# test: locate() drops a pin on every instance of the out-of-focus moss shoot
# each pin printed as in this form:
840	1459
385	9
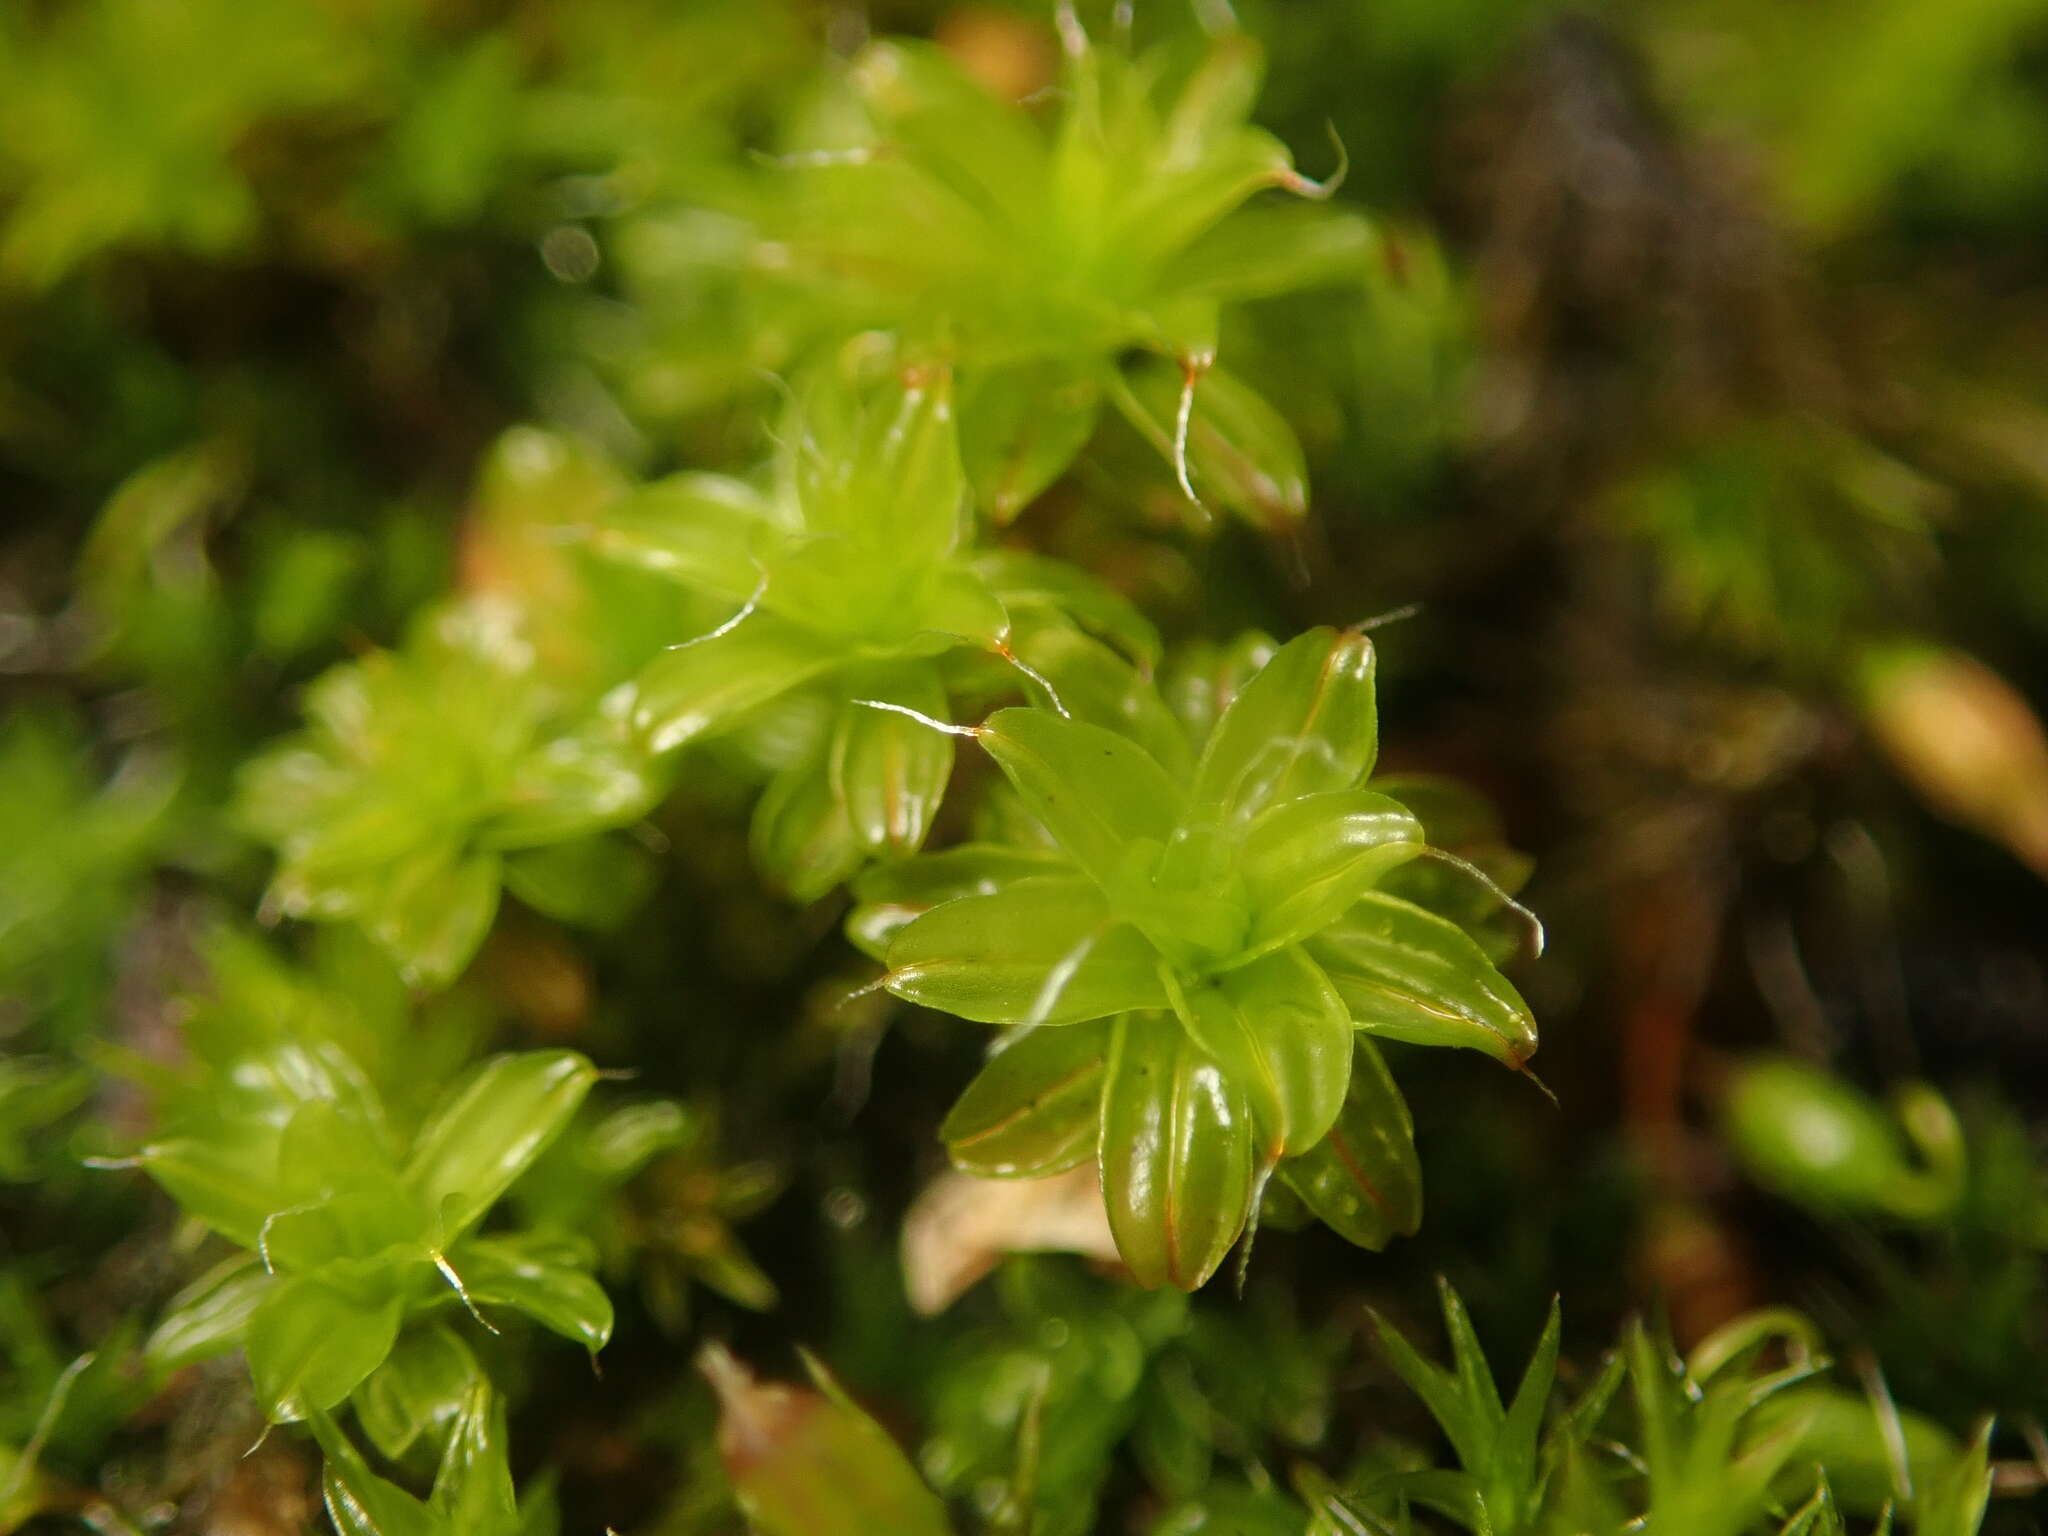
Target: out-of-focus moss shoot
1820	1142
1966	740
809	1463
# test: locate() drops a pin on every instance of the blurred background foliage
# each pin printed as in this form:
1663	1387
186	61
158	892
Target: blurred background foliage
1682	362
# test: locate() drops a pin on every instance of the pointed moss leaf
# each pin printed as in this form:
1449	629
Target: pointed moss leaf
417	1391
1410	975
1307	860
309	1345
1307	723
1175	1153
1281	1034
490	1129
1241	453
433	914
708	683
1033	1108
887	770
1042	951
209	1316
1096	792
1522	1429
704	531
1469	1412
887	896
1020	427
1363	1179
1038	586
547	1278
801	835
1953	1503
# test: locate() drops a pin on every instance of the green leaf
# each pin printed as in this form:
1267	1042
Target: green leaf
1463	1401
546	1277
326	1149
1846	1432
227	1178
417	1391
631	1136
490	1129
891	895
310	1345
1034	1108
1241	453
1306	724
1176	1153
579	782
1041	951
589	882
887	770
473	1485
1817	1140
1818	1516
1096	792
1410	975
433	913
209	1316
1307	860
707	683
1037	586
1280	1033
359	1502
801	835
881	466
1954	1504
812	1463
1206	678
1517	1469
701	530
927	108
357	1234
1363	1179
1095	684
1020	427
1261	252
